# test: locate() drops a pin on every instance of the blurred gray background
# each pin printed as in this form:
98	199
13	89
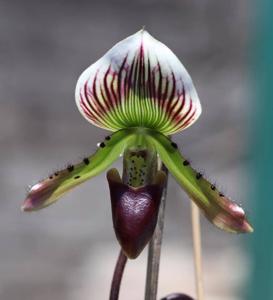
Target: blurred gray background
68	251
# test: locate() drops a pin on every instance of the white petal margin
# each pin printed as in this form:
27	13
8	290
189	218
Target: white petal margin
138	82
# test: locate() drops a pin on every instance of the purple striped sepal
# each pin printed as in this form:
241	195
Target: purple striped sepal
138	83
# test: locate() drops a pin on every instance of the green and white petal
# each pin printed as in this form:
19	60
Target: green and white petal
49	190
221	211
138	83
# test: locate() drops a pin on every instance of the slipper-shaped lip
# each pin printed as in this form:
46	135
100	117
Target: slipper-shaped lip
134	211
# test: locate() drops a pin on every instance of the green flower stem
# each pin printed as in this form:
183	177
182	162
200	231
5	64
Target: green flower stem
155	247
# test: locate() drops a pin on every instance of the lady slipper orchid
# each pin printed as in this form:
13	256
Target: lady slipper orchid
140	91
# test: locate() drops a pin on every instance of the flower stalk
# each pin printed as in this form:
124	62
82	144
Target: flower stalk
155	244
117	276
197	250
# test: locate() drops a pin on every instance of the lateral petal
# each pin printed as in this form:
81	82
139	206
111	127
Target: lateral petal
218	209
49	190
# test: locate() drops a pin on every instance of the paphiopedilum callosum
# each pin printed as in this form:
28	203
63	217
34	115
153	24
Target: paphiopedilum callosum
140	91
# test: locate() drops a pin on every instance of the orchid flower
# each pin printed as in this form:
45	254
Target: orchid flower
141	92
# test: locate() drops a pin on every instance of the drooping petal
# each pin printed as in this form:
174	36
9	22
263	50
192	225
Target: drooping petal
138	83
52	188
134	211
221	211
